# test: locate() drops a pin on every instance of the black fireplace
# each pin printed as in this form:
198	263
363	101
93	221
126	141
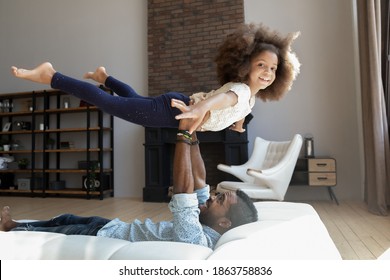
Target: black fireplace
225	146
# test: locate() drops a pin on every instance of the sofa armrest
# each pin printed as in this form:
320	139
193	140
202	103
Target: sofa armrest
385	255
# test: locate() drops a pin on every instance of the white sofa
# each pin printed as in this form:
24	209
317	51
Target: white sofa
285	231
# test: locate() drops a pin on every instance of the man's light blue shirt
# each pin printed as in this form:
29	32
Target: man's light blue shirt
184	227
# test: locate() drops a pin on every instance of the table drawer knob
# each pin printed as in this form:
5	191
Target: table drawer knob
322	178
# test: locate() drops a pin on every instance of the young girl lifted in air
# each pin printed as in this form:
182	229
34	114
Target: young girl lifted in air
253	61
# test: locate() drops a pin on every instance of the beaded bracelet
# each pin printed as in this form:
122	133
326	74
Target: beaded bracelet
185	133
196	142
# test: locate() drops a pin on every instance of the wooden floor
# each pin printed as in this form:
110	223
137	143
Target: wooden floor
358	234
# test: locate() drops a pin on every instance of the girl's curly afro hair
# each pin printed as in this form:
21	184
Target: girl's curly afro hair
237	50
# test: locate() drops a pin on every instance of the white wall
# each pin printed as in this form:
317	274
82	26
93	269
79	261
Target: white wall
78	36
323	101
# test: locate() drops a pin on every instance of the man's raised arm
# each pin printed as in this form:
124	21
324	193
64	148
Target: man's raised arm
183	180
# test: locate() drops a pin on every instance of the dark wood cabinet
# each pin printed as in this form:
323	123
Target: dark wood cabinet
224	146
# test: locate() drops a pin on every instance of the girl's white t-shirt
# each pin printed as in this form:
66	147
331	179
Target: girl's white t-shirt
223	118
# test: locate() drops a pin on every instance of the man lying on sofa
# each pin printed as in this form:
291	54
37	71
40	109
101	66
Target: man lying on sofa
197	217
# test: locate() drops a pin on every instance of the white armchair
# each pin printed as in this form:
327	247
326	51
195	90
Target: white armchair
267	173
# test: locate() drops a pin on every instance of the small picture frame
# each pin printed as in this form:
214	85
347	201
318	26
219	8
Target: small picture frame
7	126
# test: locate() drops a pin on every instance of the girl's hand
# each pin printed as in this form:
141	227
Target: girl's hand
194	112
237	128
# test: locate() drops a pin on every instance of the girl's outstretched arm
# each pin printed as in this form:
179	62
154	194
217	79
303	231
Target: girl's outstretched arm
198	111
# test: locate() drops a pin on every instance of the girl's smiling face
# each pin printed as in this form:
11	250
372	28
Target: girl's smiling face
262	71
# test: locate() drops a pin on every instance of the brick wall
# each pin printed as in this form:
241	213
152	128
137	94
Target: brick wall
183	36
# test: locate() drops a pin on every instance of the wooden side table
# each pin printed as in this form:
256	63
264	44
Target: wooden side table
316	172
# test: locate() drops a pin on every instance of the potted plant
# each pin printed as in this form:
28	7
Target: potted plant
23	163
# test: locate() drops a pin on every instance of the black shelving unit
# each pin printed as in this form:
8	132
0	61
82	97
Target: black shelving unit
69	148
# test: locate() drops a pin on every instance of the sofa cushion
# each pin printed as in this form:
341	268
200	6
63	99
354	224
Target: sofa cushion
161	250
282	210
270	214
30	245
303	238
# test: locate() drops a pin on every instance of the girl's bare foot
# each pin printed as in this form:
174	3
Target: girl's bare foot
100	75
41	74
6	223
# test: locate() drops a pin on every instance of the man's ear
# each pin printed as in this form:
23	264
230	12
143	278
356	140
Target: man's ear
224	223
